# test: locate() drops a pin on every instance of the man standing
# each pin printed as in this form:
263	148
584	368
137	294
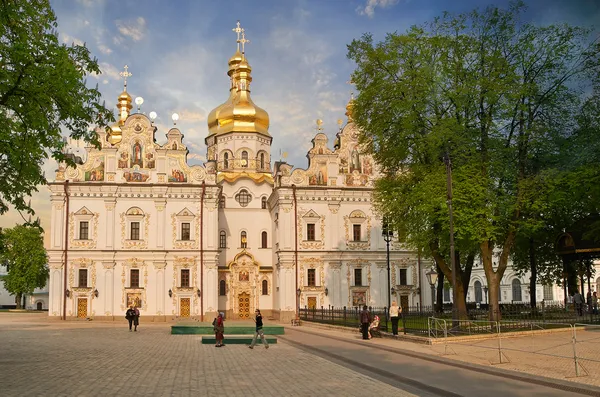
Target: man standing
395	316
578	300
365	320
259	331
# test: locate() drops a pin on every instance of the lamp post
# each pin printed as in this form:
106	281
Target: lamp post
432	279
485	290
452	257
387	234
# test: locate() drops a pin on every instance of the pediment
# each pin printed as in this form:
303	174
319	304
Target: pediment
311	214
84	211
185	212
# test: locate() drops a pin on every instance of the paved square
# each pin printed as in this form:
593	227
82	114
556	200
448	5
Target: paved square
38	357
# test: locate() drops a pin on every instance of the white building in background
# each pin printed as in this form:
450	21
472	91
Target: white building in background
237	233
36	301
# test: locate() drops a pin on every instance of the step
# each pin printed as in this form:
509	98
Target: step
230	329
236	340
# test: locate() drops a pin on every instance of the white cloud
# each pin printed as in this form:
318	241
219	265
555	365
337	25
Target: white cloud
69	39
91	3
369	7
104	49
107	70
133	28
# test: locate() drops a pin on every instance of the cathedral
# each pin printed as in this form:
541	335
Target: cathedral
135	224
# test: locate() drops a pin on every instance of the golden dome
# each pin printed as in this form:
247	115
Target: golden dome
349	109
124	106
213	116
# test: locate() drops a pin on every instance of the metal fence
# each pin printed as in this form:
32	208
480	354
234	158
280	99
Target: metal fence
558	349
415	319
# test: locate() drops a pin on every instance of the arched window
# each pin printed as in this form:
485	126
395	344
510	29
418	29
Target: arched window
265	287
222	239
263	240
243	240
516	290
222	201
226	160
222	288
262	161
478	294
263	203
244	159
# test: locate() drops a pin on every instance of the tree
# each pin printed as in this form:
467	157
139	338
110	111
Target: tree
486	91
42	91
24	253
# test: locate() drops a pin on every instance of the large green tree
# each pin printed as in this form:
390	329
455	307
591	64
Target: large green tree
485	91
42	91
24	254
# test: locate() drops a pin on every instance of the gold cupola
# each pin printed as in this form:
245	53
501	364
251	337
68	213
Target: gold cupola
124	106
239	113
350	108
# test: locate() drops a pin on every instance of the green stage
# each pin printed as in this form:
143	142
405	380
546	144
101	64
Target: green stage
237	340
231	328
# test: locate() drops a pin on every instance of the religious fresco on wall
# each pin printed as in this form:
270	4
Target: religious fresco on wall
356	179
244	276
177	176
136	155
359	298
96	173
136	175
134	299
150	163
319	178
123	160
355	164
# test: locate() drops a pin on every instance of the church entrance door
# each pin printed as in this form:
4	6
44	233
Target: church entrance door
82	307
244	305
184	307
404	302
312	302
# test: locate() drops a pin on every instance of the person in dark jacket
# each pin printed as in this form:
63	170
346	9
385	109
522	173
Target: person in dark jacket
219	328
132	315
259	331
365	320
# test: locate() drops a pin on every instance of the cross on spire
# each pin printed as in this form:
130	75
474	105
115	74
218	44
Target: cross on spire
125	73
238	30
243	41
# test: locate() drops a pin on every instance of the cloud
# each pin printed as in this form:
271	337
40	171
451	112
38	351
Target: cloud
104	49
132	28
107	70
91	3
369	8
69	39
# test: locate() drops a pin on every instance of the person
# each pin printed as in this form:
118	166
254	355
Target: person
395	316
374	326
130	316
259	331
578	300
595	303
219	329
365	320
588	301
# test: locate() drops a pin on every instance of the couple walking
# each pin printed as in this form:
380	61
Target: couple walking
133	316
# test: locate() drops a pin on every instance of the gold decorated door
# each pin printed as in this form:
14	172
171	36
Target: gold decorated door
184	307
82	307
244	305
312	302
404	302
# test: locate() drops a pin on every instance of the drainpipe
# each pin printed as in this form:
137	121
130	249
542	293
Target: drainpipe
296	250
420	283
202	251
65	249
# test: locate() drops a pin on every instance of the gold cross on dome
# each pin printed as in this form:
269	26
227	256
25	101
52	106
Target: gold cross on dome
243	40
125	73
238	30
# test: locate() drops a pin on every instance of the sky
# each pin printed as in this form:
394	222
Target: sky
177	53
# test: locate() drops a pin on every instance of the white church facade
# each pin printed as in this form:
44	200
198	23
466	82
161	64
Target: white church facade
135	224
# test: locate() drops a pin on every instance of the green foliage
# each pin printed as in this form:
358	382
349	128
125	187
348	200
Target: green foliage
496	96
42	91
26	257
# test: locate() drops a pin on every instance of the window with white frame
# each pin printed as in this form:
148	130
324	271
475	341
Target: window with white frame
83	278
263	203
403	276
222	239
134	231
83	220
310	222
516	290
263	240
243	240
84	229
185	278
311	278
134	278
185	225
358	277
135	219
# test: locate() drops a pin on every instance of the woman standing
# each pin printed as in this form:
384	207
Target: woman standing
219	330
395	316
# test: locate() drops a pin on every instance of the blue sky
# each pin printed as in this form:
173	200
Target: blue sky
177	52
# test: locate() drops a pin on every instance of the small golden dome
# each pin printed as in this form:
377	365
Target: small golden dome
213	116
349	109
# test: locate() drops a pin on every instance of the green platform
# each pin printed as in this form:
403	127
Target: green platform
231	328
237	340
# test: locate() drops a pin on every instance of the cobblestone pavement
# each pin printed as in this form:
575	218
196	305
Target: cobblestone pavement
39	357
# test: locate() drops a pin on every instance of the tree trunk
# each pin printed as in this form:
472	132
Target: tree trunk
465	275
19	301
461	303
533	278
439	306
494	306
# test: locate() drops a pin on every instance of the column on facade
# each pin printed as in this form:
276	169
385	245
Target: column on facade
335	283
57	221
109	205
160	292
56	297
333	226
345	284
210	290
160	222
108	292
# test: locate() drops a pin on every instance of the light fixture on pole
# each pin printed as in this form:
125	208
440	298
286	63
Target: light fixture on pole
175	117
139	101
432	279
485	291
387	234
152	116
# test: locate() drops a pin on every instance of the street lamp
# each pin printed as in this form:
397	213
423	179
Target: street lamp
432	279
387	234
485	290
